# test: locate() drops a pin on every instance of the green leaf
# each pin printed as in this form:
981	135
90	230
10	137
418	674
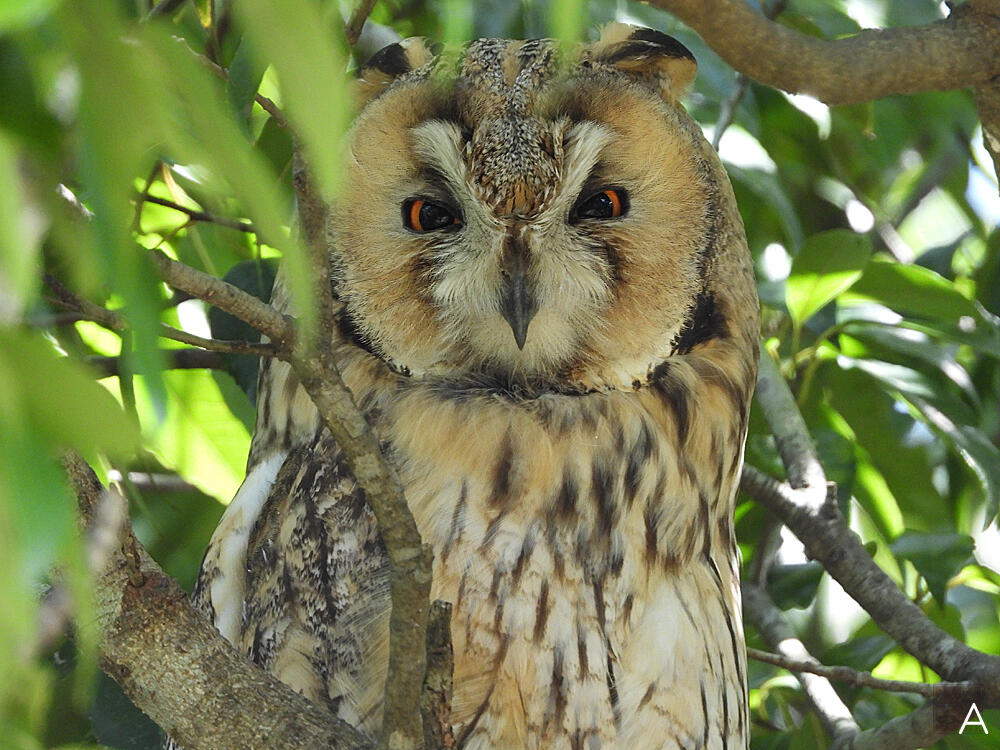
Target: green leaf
828	264
975	449
937	557
912	383
200	438
794	586
60	401
771	193
257	278
15	13
911	290
862	653
882	341
18	248
113	150
298	41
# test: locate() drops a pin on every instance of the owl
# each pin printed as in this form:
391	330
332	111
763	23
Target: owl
549	316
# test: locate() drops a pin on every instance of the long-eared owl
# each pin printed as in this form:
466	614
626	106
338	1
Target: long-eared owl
549	317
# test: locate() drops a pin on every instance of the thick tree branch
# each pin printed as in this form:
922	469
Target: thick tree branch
957	52
169	659
435	703
922	727
827	539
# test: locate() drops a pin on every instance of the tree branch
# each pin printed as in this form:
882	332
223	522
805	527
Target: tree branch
196	215
857	678
728	109
115	321
357	21
410	580
789	429
826	538
957	52
261	316
770	622
922	727
176	359
168	660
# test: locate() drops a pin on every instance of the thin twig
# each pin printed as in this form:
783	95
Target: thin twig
177	359
728	109
352	30
858	678
217	345
197	215
266	104
221	290
84	307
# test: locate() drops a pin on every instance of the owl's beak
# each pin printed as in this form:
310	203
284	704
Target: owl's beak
517	303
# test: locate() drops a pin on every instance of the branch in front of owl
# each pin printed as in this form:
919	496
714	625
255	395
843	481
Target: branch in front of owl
317	372
947	54
352	30
407	720
167	656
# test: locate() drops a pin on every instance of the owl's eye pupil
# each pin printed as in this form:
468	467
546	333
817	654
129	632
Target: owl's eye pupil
422	215
608	203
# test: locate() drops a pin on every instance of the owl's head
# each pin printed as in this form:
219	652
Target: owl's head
531	213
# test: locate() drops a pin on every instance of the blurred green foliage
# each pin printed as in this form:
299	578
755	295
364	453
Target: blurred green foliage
873	228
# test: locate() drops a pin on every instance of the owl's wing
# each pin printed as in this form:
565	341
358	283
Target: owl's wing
314	599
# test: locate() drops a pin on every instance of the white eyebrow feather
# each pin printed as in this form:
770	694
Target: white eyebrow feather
439	143
584	143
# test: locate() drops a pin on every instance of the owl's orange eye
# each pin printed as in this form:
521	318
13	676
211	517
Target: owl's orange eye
422	215
608	203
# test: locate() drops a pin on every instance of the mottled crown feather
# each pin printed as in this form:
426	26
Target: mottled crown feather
517	153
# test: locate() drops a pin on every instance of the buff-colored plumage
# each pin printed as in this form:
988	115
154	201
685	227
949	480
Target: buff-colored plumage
577	492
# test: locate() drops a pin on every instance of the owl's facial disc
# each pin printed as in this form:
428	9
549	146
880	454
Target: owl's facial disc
526	220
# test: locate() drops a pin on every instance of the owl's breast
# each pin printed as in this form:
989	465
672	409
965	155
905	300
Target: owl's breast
571	537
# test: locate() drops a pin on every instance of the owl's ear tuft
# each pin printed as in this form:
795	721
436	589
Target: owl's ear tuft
388	64
646	53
